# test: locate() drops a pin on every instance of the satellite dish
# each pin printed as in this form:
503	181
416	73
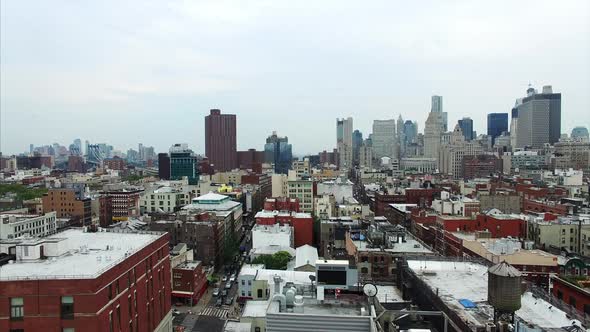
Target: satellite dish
370	290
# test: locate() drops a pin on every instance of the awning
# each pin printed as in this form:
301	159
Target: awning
183	294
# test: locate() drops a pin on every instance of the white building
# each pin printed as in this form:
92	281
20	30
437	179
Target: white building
340	188
15	225
433	131
451	155
272	235
344	142
163	199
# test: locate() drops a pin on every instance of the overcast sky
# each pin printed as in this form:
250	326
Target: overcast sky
125	72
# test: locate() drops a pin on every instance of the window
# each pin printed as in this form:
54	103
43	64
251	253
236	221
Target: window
364	270
67	307
119	316
110	290
17	308
129	307
128	279
116	287
249	282
572	301
68	329
243	282
111	327
249	293
259	293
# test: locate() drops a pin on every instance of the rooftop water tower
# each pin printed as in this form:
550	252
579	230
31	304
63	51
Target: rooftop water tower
504	291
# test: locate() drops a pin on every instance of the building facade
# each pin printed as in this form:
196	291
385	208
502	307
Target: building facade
220	140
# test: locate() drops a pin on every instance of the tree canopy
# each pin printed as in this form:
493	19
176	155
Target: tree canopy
276	261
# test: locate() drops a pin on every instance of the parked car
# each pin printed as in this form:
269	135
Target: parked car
224	279
215	292
228	285
219	302
232	278
229	300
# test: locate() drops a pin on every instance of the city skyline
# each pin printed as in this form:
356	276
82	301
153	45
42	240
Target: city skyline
118	79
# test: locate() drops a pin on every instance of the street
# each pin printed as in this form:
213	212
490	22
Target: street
207	315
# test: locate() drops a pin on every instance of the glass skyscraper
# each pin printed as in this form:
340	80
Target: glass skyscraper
497	123
277	151
466	125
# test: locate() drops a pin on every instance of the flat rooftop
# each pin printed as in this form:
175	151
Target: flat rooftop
465	280
85	255
410	246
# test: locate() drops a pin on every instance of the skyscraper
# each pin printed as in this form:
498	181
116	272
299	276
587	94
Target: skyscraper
437	107
433	130
357	141
278	151
183	162
344	142
410	132
164	166
580	134
497	123
401	136
466	125
538	118
383	138
220	140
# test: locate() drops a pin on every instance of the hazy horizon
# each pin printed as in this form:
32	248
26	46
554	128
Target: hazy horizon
141	71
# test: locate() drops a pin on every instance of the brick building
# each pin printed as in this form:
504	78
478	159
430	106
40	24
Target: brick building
189	282
125	203
110	282
76	164
481	166
220	140
68	203
115	163
250	158
569	292
283	211
497	225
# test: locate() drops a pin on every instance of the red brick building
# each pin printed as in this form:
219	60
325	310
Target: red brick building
423	197
112	282
248	159
125	203
68	203
189	282
571	294
481	166
497	225
283	211
115	163
220	140
546	206
382	201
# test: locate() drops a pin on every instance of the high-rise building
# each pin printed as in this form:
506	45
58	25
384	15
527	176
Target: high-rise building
580	134
410	132
437	107
451	154
183	162
497	124
164	166
344	142
383	138
278	151
538	118
220	140
466	125
357	141
433	131
401	136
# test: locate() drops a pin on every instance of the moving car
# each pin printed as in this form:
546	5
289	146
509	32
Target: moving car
228	285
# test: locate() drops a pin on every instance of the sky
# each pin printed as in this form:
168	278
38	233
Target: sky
125	72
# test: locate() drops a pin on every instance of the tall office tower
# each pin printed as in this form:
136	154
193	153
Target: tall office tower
164	166
401	136
344	142
437	107
383	138
497	124
366	154
580	134
357	141
450	156
433	130
538	118
220	140
278	151
183	162
410	132
466	125
78	144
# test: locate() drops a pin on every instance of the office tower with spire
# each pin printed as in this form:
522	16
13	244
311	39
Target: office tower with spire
537	118
278	151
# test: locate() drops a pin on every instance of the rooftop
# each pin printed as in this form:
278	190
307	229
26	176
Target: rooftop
81	255
454	281
188	265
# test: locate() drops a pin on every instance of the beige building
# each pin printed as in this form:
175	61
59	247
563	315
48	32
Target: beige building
510	251
303	190
451	155
563	233
279	185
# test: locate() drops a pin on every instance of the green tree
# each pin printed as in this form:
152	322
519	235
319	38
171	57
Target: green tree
276	261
